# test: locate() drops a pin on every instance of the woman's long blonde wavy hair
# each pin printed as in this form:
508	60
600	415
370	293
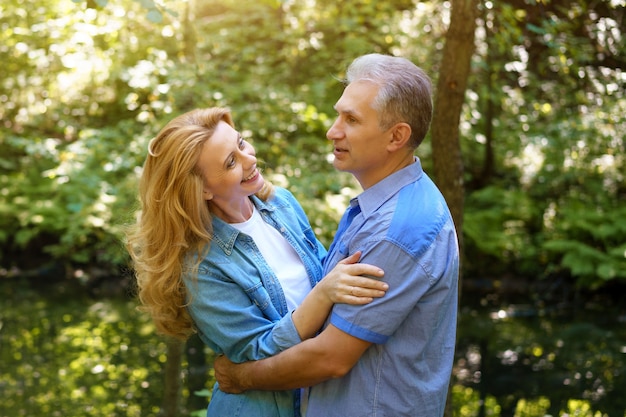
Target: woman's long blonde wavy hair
173	230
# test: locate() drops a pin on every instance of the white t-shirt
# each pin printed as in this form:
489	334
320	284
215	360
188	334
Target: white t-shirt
280	256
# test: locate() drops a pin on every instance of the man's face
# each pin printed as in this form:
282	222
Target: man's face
359	143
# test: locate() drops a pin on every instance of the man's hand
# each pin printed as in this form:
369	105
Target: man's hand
226	375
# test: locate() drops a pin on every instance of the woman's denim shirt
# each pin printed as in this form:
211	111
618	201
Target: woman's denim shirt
238	305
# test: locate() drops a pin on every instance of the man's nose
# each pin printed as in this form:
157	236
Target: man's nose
334	132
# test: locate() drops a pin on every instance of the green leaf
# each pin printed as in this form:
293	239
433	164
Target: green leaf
534	28
154	16
606	271
203	393
148	4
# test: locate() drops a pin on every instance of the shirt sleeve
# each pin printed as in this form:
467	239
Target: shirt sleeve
408	282
231	319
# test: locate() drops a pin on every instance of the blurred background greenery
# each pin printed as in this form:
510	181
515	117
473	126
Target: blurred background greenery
85	84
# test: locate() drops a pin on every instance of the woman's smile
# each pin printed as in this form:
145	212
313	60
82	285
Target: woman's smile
252	177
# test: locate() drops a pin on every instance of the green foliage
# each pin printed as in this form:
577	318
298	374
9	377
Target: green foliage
74	134
497	221
71	204
86	83
154	10
501	230
593	243
545	121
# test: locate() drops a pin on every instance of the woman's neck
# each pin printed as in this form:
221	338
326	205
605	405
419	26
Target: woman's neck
232	213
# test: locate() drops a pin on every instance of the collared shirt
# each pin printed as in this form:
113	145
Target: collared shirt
238	305
404	226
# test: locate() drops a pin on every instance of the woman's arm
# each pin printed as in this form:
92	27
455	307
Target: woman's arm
236	317
346	283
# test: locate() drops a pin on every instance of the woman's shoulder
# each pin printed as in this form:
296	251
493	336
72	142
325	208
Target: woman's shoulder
283	192
282	196
282	203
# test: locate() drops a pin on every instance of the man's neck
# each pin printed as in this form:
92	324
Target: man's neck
392	166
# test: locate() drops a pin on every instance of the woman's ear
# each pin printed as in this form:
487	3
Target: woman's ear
208	195
400	135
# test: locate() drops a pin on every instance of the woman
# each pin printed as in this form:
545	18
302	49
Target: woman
220	251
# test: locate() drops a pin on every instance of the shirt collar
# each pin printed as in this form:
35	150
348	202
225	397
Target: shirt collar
225	235
372	198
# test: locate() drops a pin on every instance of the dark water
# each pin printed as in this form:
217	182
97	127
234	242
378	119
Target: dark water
66	351
560	355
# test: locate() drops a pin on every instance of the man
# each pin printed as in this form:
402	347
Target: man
392	357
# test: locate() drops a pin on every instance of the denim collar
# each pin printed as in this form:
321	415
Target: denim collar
225	235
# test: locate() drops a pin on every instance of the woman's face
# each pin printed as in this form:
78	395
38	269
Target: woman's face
228	164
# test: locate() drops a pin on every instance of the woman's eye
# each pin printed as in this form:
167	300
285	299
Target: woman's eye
242	143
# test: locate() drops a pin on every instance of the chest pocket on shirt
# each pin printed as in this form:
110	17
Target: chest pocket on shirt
309	237
260	297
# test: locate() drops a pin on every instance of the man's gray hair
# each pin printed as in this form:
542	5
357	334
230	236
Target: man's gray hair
405	93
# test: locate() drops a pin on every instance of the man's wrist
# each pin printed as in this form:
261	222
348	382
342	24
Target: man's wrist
242	376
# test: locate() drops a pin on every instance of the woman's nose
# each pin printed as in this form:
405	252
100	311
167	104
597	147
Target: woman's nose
250	155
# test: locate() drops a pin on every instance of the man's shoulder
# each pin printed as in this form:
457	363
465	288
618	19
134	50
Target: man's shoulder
420	213
421	200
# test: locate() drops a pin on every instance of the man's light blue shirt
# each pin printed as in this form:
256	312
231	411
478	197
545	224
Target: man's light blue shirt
404	226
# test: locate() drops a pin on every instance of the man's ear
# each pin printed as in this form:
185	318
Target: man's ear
400	135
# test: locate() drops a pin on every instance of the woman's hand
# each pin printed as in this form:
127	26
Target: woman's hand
348	282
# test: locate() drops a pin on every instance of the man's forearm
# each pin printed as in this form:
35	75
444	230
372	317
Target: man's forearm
330	355
299	366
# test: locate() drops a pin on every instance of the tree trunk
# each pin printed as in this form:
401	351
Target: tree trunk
490	114
190	40
450	95
198	372
172	379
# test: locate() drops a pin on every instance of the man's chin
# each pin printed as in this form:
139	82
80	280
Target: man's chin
339	166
